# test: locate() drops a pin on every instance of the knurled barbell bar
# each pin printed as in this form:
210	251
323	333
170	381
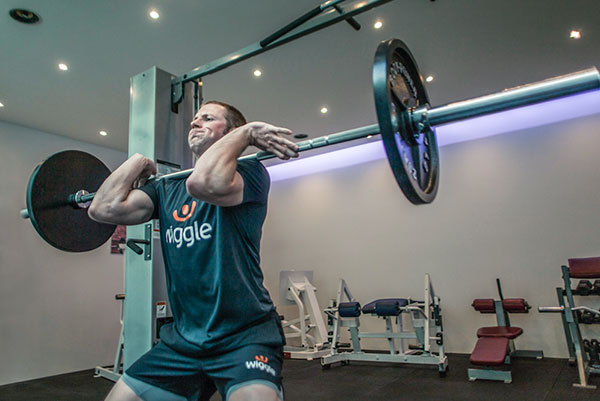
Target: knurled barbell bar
405	122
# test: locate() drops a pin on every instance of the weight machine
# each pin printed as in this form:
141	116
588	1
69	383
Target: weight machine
295	288
425	316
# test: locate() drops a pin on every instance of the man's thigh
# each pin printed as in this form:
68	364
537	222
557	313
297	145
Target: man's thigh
122	392
166	369
255	392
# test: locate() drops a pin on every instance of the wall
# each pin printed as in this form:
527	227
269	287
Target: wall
57	309
514	206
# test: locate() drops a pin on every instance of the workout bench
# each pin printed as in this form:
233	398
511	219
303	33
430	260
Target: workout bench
426	321
495	344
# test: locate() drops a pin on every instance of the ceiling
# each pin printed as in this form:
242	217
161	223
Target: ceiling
470	47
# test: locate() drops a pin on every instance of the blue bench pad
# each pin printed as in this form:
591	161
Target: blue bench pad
385	306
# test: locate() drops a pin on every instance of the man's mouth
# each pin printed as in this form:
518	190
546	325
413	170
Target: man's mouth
194	133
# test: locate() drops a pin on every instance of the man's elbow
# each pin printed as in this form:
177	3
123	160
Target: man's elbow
94	213
100	213
208	190
199	187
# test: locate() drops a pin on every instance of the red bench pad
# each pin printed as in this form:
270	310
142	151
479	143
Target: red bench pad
484	305
490	351
584	267
500	331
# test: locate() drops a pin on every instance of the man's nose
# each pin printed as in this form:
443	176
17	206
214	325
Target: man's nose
196	123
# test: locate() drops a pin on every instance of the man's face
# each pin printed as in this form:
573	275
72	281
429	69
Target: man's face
207	127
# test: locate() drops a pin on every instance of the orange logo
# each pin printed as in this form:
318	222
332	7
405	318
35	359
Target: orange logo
261	358
185	211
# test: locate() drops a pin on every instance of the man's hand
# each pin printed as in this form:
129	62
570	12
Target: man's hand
269	138
149	169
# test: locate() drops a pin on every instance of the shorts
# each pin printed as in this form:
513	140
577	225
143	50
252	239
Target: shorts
198	377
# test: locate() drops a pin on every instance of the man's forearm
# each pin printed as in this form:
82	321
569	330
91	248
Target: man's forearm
215	170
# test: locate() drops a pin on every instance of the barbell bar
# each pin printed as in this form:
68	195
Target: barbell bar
561	309
406	123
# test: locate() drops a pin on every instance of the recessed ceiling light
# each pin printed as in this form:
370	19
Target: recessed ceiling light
24	16
63	67
103	133
378	24
324	110
429	78
1	104
575	34
257	73
154	14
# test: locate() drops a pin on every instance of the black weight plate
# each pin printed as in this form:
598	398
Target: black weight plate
56	221
398	88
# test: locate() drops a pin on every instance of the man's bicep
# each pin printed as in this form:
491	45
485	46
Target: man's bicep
139	207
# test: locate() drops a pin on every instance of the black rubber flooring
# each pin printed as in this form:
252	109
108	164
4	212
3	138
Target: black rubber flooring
536	380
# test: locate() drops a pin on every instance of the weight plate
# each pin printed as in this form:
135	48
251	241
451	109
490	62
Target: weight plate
398	88
61	225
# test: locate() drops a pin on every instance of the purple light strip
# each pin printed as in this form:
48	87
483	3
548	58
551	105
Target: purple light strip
536	115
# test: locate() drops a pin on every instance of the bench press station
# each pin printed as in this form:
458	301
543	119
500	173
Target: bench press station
495	344
426	321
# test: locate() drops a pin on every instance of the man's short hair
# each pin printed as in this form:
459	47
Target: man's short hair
233	116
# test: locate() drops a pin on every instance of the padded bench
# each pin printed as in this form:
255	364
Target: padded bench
385	306
490	351
507	332
493	347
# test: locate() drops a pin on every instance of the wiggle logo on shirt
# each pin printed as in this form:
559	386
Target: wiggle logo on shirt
186	211
187	235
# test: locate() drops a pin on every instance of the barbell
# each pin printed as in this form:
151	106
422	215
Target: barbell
57	202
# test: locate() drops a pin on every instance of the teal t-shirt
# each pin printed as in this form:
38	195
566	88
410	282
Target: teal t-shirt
212	264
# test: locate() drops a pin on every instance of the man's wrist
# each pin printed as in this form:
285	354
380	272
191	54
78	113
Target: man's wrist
244	133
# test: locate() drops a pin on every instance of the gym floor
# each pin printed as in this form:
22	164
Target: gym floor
539	380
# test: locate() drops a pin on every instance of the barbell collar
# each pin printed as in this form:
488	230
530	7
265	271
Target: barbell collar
525	95
24	213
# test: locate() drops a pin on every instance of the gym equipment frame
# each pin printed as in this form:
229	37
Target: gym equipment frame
295	288
426	320
580	268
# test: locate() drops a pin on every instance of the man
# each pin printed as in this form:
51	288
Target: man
226	335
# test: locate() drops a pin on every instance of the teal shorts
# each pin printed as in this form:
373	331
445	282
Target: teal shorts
197	378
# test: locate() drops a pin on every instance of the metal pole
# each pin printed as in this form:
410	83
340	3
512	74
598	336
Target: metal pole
330	17
525	95
340	137
550	89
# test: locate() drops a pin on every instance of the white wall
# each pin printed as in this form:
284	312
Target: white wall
514	206
57	309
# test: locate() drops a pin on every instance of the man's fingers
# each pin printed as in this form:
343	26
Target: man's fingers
282	151
285	142
281	130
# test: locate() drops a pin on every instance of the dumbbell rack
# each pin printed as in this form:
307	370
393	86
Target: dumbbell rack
581	352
